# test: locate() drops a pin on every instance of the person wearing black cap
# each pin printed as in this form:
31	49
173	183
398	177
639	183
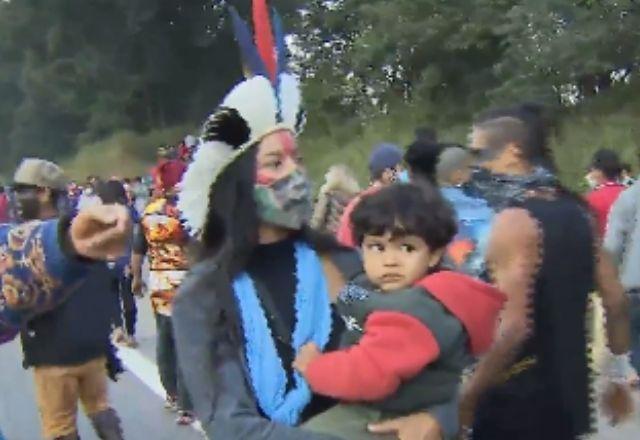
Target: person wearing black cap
422	158
604	180
385	166
114	192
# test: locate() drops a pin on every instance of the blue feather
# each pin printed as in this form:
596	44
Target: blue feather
281	45
250	57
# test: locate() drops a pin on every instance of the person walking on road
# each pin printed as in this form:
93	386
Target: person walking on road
163	240
68	347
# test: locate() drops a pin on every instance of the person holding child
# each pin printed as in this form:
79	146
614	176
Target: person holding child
264	282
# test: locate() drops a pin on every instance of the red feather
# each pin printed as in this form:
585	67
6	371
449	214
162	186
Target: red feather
264	37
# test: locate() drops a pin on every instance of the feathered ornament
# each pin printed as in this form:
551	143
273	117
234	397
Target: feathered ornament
268	100
281	45
264	38
251	61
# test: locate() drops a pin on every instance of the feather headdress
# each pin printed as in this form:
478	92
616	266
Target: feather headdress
267	101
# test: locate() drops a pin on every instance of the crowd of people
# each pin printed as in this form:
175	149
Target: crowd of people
449	298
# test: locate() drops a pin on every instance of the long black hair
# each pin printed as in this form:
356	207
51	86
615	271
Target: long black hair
230	234
231	229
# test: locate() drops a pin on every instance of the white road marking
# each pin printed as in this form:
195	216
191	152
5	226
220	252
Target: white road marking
143	369
147	371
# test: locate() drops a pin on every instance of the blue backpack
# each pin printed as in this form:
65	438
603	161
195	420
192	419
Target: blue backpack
466	253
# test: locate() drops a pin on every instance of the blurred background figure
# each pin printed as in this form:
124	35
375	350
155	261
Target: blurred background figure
4	205
339	188
163	240
603	178
114	192
421	159
68	347
473	214
627	178
89	197
187	148
385	167
141	194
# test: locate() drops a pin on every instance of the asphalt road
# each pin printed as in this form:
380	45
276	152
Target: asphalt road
137	397
139	406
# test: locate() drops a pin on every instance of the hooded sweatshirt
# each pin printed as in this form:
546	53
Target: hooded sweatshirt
404	351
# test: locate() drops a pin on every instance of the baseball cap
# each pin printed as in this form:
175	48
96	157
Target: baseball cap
41	173
384	156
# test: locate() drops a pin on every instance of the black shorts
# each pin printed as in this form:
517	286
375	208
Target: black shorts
524	408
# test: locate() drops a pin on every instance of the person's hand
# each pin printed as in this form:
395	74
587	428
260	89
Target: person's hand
421	426
136	286
101	232
617	402
306	355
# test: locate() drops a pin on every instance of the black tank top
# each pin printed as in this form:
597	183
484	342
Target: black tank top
564	281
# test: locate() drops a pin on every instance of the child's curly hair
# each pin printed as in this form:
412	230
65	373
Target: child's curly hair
404	209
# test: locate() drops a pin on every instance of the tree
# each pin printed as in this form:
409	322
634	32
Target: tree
95	67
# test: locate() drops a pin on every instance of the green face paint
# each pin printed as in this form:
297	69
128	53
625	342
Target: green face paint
285	203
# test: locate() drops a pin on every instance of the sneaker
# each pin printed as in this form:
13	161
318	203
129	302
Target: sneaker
171	403
185	418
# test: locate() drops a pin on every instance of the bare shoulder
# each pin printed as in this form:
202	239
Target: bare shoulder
515	241
515	224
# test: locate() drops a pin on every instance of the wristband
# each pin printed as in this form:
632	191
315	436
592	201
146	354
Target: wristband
618	368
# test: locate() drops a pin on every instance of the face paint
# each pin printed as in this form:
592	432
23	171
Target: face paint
285	202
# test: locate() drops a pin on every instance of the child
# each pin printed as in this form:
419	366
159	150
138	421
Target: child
410	328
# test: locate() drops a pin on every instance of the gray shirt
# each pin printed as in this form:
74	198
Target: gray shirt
622	238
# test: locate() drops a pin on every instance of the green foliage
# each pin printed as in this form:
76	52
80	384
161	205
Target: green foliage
74	72
124	153
455	57
601	122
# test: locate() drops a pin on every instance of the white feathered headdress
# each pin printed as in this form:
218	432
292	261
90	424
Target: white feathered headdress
268	101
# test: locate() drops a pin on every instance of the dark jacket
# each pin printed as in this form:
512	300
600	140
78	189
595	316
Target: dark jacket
215	368
78	330
404	351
